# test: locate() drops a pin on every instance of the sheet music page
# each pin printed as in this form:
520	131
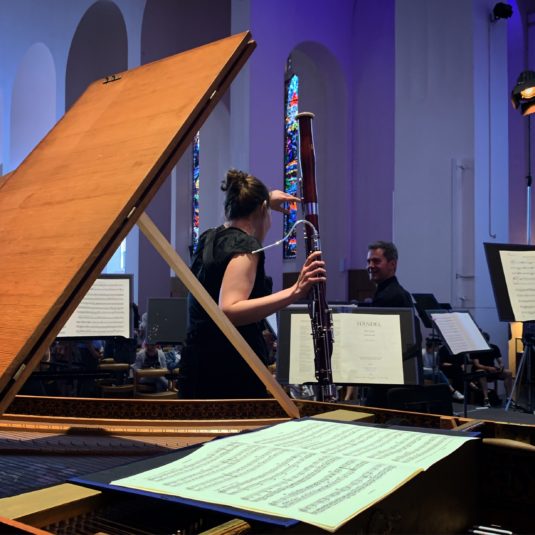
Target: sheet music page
301	350
366	349
104	311
460	332
320	472
519	271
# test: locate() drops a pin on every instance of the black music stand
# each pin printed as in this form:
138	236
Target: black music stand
425	304
528	340
411	352
504	288
461	336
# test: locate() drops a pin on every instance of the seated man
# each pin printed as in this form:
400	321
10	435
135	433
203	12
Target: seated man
431	369
151	357
490	362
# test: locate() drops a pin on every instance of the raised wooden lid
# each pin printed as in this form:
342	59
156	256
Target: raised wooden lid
67	207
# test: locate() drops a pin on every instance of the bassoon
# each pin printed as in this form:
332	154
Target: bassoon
320	313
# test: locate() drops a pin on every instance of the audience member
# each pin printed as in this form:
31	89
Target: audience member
152	357
490	362
142	330
453	367
64	357
432	372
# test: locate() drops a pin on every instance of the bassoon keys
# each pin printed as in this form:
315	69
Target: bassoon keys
320	313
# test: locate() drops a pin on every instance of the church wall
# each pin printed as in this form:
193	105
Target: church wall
397	124
312	22
372	126
451	185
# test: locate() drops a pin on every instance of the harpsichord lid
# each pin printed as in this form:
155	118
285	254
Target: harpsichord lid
67	207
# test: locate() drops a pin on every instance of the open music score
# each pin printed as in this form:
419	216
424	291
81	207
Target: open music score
367	349
512	275
460	332
519	271
320	472
105	311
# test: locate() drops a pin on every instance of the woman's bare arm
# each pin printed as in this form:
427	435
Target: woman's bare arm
238	283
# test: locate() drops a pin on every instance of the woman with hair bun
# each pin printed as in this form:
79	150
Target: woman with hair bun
234	276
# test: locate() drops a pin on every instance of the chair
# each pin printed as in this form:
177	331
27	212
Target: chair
473	375
142	390
432	399
117	386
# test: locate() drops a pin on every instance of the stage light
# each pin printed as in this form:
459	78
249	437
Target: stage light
523	98
501	11
523	94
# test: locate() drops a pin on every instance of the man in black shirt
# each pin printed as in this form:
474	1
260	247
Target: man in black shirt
382	265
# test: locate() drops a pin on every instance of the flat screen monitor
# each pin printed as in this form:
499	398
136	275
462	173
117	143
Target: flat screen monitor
167	319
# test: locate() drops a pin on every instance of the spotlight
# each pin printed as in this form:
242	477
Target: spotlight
523	97
501	11
523	94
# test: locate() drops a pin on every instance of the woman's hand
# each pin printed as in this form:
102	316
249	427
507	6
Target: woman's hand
312	272
277	198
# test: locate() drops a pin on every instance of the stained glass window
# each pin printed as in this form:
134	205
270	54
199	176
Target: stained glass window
291	159
195	194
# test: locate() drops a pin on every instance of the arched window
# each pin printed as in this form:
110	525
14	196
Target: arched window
291	95
195	172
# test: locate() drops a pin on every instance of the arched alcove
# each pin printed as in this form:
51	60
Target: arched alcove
173	27
98	49
33	103
214	159
170	28
323	91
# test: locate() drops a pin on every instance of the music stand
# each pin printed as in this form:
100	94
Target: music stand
461	336
104	313
512	274
424	304
410	352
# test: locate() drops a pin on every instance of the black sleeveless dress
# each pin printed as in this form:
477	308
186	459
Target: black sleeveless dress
210	367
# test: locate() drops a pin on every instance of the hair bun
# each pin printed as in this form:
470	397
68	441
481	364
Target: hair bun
234	179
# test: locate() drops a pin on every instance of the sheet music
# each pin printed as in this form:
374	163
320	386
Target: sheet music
519	271
367	349
104	311
323	473
460	332
301	350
